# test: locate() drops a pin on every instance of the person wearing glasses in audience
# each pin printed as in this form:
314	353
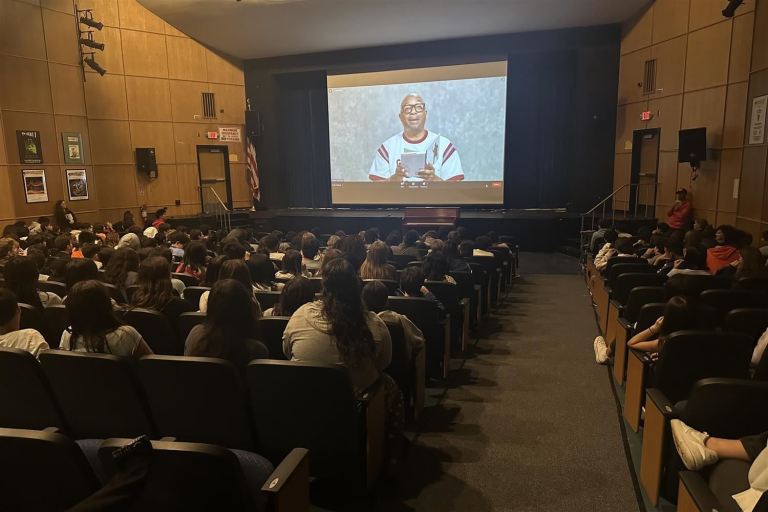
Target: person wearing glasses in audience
416	154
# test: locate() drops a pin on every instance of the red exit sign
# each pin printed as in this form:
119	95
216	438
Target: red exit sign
646	115
212	135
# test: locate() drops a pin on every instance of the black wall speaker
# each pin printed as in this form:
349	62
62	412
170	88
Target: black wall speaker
253	123
692	146
146	161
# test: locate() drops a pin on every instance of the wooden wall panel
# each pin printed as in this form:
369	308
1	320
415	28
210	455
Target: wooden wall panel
170	30
760	42
186	59
25	85
65	6
117	185
704	191
706	108
61	37
189	180
637	32
67	89
110	142
741	47
105	11
105	97
627	121
670	73
735	113
3	152
187	136
156	135
144	54
730	170
725	218
708	57
134	16
667	178
73	124
667	112
223	70
13	121
53	181
165	189
111	58
708	12
230	103
186	100
631	74
23	43
752	182
149	99
670	19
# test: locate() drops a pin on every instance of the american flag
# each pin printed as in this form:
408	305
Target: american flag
252	171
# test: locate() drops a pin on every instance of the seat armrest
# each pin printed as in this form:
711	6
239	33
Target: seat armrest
168	439
287	487
625	324
661	402
51	430
693	486
617	305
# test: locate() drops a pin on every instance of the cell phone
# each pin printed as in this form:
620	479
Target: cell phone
137	449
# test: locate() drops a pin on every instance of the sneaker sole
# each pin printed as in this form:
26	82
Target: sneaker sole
686	454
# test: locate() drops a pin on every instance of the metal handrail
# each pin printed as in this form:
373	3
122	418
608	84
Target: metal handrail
221	211
609	196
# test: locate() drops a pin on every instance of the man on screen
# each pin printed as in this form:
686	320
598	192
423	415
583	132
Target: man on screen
416	154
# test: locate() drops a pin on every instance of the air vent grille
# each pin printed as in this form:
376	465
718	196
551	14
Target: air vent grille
649	77
209	105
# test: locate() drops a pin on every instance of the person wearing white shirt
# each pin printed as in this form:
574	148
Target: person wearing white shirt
10	334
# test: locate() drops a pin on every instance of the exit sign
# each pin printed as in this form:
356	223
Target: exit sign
212	135
646	115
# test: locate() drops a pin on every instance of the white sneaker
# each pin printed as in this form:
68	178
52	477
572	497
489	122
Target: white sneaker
601	350
691	446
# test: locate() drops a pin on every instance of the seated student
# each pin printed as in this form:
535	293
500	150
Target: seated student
354	250
91	252
122	270
409	245
375	298
291	266
21	277
330	255
130	240
310	248
237	270
749	264
698	450
455	263
623	250
603	226
9	247
195	259
295	294
678	315
466	249
693	262
262	273
412	285
37	254
673	251
482	246
156	291
179	241
436	267
393	240
211	274
608	249
725	252
375	265
228	327
270	245
10	334
94	327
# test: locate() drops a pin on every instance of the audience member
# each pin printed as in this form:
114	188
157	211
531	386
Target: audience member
436	267
679	214
122	270
156	291
408	246
375	296
375	265
725	252
603	226
21	278
195	259
237	270
11	336
64	218
291	266
262	272
129	240
94	327
310	248
295	294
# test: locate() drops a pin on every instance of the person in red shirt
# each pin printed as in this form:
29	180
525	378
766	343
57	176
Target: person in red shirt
725	252
159	217
679	215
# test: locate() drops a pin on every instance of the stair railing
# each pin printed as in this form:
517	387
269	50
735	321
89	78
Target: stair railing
213	205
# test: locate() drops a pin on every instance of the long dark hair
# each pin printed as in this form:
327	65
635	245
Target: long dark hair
295	294
292	262
262	270
195	256
124	260
436	266
155	287
375	265
237	270
678	315
59	214
212	271
21	276
90	316
343	308
229	322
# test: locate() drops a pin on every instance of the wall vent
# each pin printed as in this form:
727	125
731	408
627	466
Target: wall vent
209	105
649	77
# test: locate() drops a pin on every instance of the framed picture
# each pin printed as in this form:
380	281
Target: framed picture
77	184
35	188
72	142
30	148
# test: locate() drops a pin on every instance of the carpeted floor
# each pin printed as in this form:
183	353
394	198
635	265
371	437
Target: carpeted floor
528	423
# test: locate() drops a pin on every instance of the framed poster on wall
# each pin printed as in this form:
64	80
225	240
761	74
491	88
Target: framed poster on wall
30	149
77	184
35	188
72	142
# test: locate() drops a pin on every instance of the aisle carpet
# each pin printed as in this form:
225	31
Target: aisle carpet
527	422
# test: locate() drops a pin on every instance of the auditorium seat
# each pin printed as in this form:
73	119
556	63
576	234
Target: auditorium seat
26	400
639	296
267	299
187	322
426	315
156	330
685	357
31	317
318	410
618	295
196	399
493	269
187	279
56	287
317	284
42	471
482	279
99	394
751	283
116	293
467	289
392	286
401	260
725	408
448	294
192	294
270	329
55	322
751	321
407	369
715	304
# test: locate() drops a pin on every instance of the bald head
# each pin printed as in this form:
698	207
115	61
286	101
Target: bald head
411	99
413	115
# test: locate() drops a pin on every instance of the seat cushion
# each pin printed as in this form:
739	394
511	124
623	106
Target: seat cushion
256	470
727	478
90	448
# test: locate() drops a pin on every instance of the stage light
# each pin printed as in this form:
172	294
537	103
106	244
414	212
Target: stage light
94	65
91	43
91	23
730	9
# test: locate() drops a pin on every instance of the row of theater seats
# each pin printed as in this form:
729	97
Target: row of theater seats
702	376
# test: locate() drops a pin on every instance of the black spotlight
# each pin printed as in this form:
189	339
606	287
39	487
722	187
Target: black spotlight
85	20
94	65
730	9
91	43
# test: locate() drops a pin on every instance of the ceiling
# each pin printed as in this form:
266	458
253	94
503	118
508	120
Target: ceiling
250	29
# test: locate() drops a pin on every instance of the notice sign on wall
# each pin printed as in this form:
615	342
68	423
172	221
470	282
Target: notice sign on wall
30	149
73	147
757	121
229	134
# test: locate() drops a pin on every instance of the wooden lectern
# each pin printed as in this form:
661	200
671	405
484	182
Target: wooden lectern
431	217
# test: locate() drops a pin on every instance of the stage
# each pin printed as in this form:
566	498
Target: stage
535	229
